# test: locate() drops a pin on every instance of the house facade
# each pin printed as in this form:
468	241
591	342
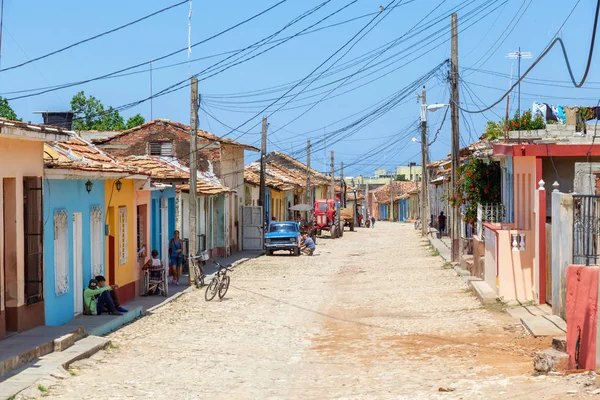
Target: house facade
22	223
221	157
74	236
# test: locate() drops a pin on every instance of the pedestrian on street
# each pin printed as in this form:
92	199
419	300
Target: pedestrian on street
113	294
176	257
373	222
155	266
96	298
308	245
441	224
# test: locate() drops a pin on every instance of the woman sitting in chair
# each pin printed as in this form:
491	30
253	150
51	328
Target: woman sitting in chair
156	269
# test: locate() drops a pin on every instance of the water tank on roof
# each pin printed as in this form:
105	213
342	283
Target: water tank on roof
63	119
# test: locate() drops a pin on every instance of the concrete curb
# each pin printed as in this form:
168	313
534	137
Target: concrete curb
49	364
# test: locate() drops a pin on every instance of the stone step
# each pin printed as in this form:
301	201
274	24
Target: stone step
64	342
483	291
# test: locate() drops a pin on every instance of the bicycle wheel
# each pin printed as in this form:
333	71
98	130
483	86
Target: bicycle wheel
223	287
212	289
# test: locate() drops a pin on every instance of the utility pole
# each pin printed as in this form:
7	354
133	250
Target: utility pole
454	230
151	96
332	177
424	199
193	172
308	196
343	186
263	155
391	198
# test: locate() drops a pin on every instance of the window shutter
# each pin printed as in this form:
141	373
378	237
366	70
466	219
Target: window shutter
61	252
164	149
97	240
123	244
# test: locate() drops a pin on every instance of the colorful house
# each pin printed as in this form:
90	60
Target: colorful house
221	157
74	234
22	221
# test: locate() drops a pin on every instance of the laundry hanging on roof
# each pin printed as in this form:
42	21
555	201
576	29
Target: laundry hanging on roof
544	110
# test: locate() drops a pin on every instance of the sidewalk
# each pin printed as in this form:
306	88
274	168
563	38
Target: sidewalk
22	348
442	245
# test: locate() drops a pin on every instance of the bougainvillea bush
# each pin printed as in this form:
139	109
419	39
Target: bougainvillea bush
478	183
524	122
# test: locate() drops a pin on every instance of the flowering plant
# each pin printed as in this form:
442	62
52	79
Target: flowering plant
524	122
478	182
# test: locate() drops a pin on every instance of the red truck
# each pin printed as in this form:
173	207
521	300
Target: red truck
327	218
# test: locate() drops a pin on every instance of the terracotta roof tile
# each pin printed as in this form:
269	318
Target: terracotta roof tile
186	128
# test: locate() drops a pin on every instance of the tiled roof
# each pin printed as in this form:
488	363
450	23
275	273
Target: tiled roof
203	134
78	154
274	178
165	169
47	132
294	170
400	188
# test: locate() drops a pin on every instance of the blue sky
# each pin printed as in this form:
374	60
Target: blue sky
32	28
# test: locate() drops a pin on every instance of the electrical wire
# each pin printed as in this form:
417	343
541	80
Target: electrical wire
94	37
155	59
541	57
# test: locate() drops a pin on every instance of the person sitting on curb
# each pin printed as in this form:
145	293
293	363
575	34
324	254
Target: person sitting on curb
96	298
113	295
155	266
308	245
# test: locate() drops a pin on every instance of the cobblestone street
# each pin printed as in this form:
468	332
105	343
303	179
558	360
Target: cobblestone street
372	315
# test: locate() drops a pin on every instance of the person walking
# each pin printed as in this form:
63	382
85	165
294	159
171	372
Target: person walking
441	224
176	257
373	221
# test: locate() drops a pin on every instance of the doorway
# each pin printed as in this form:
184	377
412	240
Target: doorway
78	262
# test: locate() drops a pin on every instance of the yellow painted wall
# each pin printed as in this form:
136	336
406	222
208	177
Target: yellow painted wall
278	205
18	158
321	192
114	199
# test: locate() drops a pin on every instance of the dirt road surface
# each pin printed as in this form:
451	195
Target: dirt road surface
373	315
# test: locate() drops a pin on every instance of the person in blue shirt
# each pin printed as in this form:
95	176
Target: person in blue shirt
308	245
176	256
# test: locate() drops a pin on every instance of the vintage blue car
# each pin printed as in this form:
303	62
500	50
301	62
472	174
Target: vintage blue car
283	236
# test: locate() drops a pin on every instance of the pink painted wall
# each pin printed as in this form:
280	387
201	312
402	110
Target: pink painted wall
18	158
142	197
515	268
582	314
508	272
524	170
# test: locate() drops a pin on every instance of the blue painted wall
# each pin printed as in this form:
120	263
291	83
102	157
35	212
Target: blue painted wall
383	211
69	195
403	211
156	217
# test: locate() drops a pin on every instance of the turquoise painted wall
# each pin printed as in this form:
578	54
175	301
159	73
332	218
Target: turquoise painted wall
69	195
156	217
221	220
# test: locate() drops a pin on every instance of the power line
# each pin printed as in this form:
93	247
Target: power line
94	37
156	59
544	53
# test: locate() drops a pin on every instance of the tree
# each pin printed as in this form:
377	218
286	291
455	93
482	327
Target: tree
6	110
90	114
134	121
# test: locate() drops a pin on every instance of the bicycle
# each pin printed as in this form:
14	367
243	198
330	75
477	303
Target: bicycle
219	283
197	264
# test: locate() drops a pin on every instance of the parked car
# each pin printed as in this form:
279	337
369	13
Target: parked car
283	236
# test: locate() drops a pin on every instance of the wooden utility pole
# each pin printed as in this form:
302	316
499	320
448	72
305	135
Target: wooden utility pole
193	172
392	197
308	196
343	186
332	177
454	230
424	198
263	155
